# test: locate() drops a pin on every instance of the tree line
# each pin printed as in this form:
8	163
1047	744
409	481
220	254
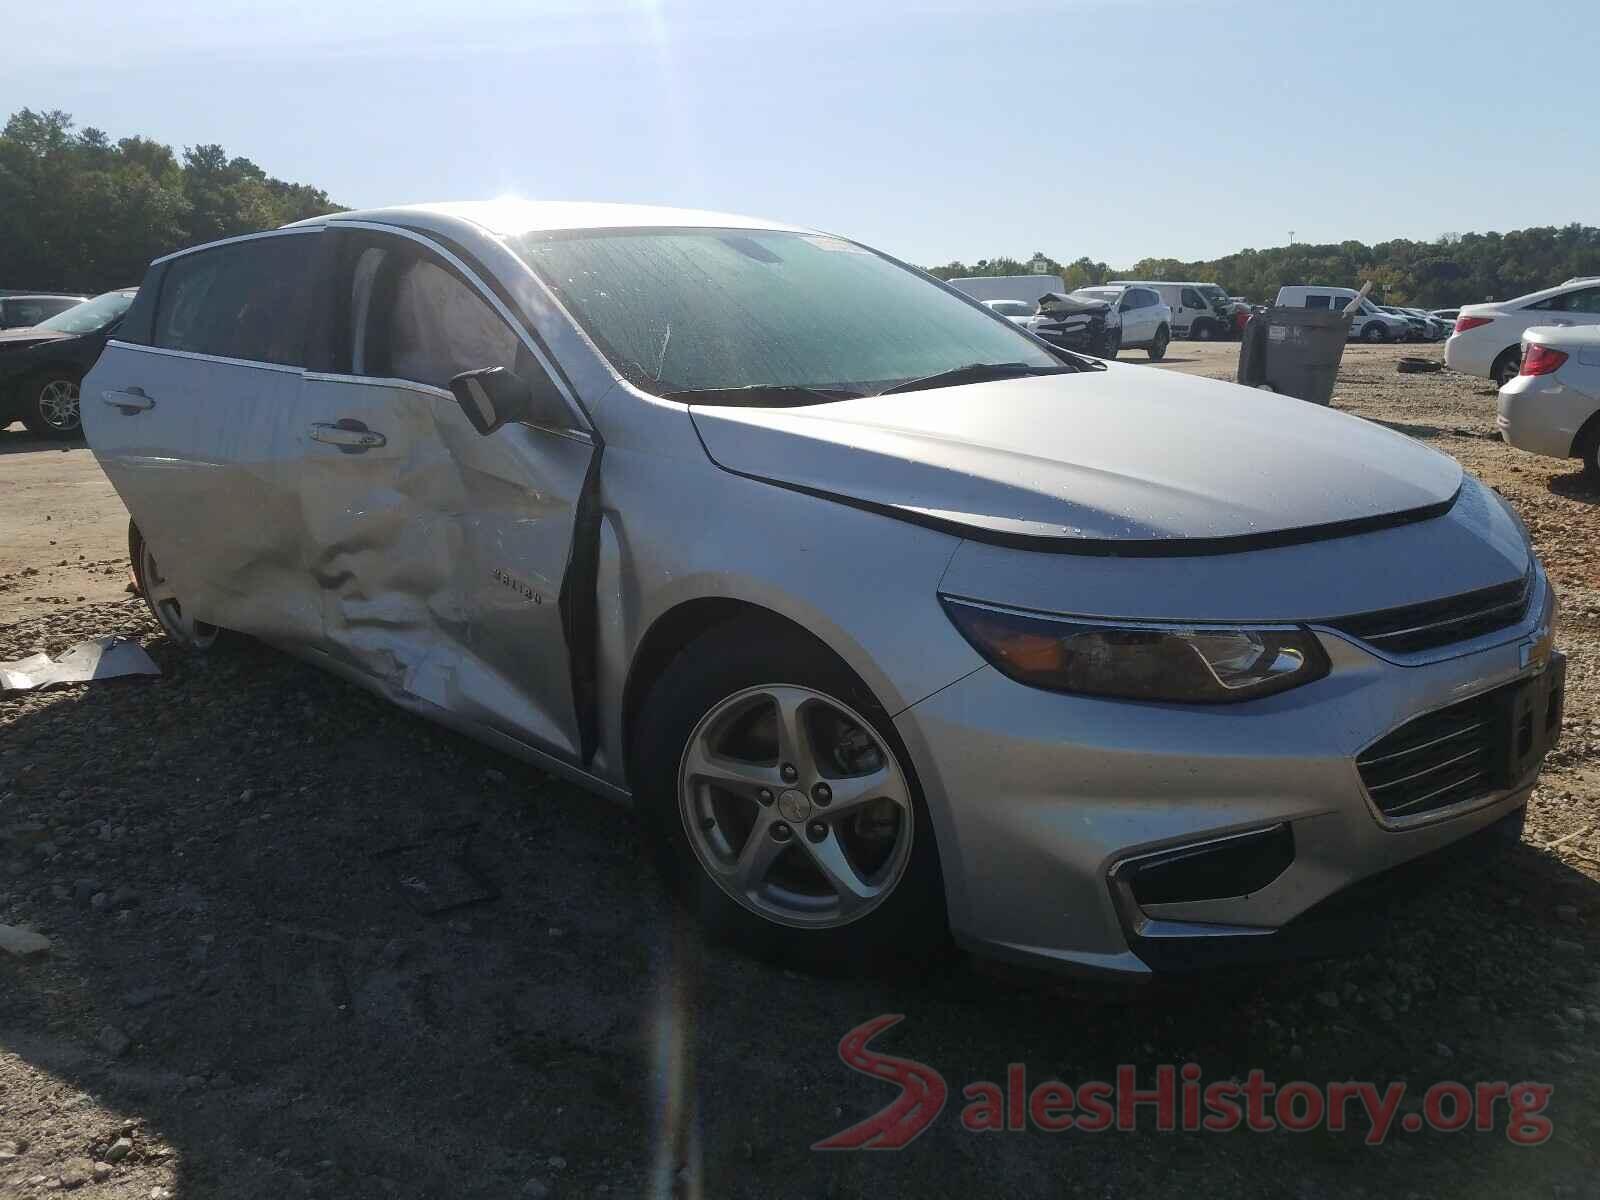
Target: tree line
81	213
1451	270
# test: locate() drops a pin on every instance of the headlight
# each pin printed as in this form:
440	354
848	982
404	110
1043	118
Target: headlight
1191	664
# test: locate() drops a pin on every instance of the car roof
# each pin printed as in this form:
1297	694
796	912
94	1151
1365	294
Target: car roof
510	217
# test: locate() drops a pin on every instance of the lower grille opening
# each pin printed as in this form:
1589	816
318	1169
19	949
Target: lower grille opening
1235	866
1466	751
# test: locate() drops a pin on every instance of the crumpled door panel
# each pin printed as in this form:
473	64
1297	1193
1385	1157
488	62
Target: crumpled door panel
440	553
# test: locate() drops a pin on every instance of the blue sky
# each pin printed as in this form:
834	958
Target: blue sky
1112	128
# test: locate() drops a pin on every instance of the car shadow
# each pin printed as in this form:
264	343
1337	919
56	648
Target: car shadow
1577	485
300	1023
16	439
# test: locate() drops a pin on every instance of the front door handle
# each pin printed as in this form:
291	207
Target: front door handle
130	402
352	437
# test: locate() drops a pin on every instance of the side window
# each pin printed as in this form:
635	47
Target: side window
241	301
1191	299
414	318
1584	300
1317	301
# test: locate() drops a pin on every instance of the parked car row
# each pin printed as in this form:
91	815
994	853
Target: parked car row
41	365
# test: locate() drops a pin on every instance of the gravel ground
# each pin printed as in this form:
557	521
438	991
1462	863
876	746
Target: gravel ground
242	999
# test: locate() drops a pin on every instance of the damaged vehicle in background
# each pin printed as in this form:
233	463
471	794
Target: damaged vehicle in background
1103	320
892	621
40	366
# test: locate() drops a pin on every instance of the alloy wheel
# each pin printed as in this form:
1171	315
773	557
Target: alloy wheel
795	806
162	597
58	404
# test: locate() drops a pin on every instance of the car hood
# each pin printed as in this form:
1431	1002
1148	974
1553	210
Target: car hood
1123	461
32	335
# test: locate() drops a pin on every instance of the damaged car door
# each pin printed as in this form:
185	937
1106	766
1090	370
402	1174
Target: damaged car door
188	411
440	552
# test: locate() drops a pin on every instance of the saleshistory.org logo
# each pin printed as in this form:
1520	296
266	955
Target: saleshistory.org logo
1176	1100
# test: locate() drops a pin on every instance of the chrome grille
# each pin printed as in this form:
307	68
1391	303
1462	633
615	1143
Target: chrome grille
1417	627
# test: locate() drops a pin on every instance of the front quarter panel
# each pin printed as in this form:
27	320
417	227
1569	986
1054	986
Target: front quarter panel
678	529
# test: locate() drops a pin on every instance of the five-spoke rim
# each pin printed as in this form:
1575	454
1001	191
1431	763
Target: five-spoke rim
795	806
58	404
163	599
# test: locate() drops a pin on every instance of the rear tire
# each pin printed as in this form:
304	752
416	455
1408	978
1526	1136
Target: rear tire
163	601
1157	349
1590	454
50	405
1506	366
737	703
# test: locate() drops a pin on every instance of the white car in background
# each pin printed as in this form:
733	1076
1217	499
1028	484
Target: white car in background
1369	323
1488	337
1143	321
1552	405
1019	311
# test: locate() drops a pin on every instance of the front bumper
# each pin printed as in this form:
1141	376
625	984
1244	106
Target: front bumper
1039	798
1542	415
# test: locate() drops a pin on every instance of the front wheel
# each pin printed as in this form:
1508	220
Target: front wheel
782	804
50	405
1374	333
1158	346
1201	331
1110	343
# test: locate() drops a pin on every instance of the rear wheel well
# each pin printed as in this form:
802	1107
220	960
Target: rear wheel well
672	631
1586	437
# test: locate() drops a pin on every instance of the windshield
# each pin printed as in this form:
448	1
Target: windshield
1013	308
91	315
1212	291
716	310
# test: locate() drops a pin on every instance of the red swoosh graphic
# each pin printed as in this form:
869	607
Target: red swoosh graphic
921	1099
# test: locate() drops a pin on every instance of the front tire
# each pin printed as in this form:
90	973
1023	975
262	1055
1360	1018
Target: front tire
782	804
1201	331
1373	333
1157	349
50	405
1506	366
1110	343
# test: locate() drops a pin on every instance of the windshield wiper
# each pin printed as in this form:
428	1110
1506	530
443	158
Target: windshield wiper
763	395
976	372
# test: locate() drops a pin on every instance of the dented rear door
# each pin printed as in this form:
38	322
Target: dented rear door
439	553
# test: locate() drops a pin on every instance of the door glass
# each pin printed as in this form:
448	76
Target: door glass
418	320
1191	299
245	300
1317	301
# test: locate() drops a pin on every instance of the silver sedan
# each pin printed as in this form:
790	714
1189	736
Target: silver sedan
895	622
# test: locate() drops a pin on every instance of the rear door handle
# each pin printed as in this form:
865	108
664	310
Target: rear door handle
352	437
130	402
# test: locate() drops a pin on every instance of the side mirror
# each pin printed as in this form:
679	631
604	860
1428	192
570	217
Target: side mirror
493	396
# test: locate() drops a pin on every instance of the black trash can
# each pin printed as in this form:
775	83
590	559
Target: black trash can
1295	351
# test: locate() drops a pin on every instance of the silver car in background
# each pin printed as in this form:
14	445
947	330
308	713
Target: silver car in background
893	621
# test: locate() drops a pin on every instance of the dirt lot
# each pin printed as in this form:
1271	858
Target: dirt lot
239	1000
